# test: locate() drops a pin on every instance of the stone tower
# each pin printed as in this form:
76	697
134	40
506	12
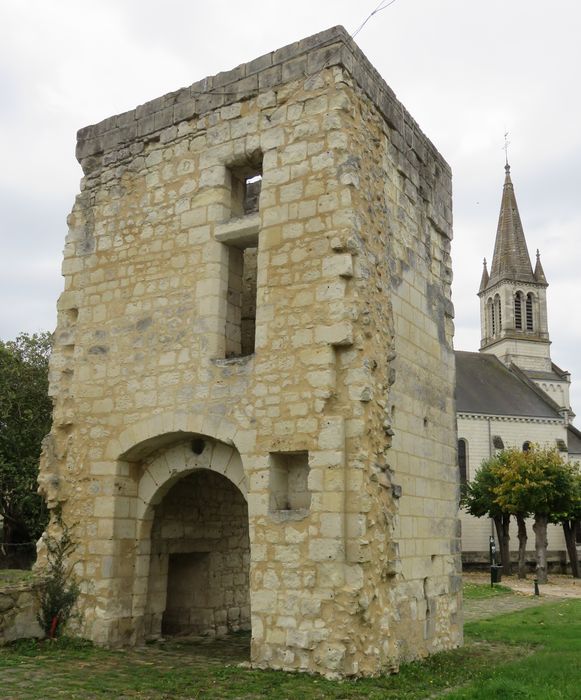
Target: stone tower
513	304
253	374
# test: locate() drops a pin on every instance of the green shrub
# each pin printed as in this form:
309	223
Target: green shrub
60	590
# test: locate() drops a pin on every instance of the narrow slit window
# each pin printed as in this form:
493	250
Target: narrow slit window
518	311
246	184
241	301
463	461
529	312
491	315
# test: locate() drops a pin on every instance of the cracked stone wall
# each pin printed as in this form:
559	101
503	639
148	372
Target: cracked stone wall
338	427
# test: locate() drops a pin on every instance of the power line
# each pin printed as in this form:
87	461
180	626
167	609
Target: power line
383	5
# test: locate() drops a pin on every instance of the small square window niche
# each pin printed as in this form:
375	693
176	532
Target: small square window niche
289	473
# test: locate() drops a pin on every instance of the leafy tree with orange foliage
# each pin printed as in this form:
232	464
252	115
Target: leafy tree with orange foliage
538	482
479	500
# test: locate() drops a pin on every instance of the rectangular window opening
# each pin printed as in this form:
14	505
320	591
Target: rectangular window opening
245	188
246	182
241	301
289	474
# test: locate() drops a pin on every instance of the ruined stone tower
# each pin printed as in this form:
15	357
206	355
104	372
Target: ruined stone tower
253	370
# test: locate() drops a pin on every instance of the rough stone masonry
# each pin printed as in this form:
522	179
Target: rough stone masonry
253	374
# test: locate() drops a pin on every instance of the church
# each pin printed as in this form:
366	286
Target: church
511	393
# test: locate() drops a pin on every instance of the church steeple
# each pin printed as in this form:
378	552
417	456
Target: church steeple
511	259
513	304
539	272
484	279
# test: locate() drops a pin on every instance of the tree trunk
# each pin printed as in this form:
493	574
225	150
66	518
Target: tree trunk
522	546
502	524
569	530
540	528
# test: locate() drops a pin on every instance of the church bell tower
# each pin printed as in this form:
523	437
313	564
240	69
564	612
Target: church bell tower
513	306
513	298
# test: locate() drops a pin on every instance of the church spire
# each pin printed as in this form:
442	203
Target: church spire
511	259
513	298
484	280
539	272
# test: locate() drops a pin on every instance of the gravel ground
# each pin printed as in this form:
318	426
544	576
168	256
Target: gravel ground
559	588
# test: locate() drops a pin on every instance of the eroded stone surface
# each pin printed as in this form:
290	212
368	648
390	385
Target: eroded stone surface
18	610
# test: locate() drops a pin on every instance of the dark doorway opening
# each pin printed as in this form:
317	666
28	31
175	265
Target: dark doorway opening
200	556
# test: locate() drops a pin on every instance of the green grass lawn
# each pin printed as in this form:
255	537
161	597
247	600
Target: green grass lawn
533	653
10	577
479	591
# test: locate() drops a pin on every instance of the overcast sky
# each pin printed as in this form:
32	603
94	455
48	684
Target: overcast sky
467	71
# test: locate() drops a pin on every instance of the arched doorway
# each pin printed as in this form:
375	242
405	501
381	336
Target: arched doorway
194	545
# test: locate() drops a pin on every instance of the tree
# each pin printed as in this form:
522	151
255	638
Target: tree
540	482
25	417
480	500
571	522
509	498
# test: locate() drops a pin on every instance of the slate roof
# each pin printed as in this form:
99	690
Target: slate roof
485	385
573	440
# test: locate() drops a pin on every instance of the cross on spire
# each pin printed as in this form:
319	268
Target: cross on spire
505	147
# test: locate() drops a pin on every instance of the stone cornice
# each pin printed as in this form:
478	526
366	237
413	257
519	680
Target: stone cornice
513	283
507	419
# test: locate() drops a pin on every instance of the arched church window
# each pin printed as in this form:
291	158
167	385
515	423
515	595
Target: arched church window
526	446
529	312
518	308
498	313
463	461
492	325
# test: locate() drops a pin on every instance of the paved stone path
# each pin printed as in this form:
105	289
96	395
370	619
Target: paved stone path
558	588
499	605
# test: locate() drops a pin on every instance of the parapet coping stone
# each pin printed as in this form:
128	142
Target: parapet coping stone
302	59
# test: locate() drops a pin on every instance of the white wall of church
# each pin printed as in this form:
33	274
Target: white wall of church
479	431
558	391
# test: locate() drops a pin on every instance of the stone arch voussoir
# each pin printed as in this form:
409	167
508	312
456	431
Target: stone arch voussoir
149	435
162	469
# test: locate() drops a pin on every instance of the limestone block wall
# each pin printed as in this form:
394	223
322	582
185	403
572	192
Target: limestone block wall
18	610
325	396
